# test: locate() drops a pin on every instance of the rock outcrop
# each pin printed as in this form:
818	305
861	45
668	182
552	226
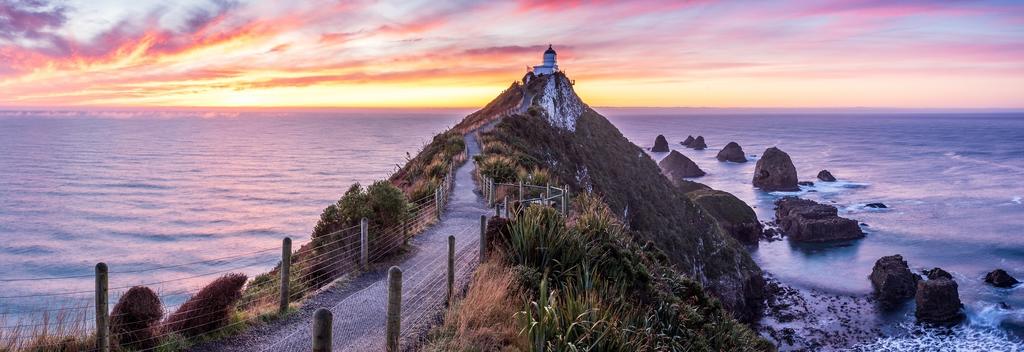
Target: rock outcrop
660	144
687	141
938	301
775	171
677	166
937	273
1000	278
731	213
698	143
732	152
892	280
826	176
808	221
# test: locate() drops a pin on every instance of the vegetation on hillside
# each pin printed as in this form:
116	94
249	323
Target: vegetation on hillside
597	158
583	283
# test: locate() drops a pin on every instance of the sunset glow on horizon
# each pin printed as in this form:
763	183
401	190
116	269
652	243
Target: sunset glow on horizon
220	53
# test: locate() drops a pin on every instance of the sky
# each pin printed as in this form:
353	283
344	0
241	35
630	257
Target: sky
412	53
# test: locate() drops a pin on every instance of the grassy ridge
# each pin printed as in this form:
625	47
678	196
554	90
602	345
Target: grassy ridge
583	283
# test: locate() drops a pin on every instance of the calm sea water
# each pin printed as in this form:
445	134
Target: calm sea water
141	191
147	190
952	182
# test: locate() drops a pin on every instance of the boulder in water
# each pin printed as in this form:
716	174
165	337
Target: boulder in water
808	221
732	152
660	144
1000	278
937	273
775	171
938	301
689	139
698	143
677	166
805	183
876	205
893	281
826	176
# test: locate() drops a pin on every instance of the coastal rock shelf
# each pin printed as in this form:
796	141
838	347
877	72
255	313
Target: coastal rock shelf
808	221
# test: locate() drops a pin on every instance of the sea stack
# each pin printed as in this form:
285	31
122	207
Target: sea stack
938	301
660	144
893	281
775	171
826	176
677	166
732	152
1000	278
698	143
689	139
808	221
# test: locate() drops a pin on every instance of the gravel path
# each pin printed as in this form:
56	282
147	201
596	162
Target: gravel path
359	304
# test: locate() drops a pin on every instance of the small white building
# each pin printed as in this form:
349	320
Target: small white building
550	64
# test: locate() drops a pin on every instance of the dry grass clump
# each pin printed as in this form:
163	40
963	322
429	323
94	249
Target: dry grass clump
133	318
66	330
482	321
208	310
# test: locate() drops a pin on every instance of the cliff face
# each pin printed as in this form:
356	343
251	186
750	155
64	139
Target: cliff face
578	144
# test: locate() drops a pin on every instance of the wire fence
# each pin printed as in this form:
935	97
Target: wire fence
75	317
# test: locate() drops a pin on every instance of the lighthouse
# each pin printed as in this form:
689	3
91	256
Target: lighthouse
550	63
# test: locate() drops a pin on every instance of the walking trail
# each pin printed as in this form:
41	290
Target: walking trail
359	305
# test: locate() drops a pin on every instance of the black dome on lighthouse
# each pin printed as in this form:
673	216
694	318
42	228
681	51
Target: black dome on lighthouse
550	50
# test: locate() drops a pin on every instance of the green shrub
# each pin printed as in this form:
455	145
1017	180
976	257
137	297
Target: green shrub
500	168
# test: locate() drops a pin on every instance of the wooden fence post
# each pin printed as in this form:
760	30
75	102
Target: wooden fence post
565	199
520	192
286	268
483	238
506	206
323	322
102	310
437	204
490	198
547	193
394	318
451	270
364	243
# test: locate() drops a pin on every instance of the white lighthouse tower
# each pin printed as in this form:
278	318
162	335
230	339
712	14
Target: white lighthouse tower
550	64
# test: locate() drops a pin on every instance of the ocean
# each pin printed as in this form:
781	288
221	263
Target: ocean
154	190
951	182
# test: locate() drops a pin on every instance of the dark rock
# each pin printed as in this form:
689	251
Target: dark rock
876	205
688	186
826	176
732	152
698	143
808	221
677	166
1000	278
938	301
771	234
689	139
660	144
775	172
893	281
937	273
731	213
1003	305
805	183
